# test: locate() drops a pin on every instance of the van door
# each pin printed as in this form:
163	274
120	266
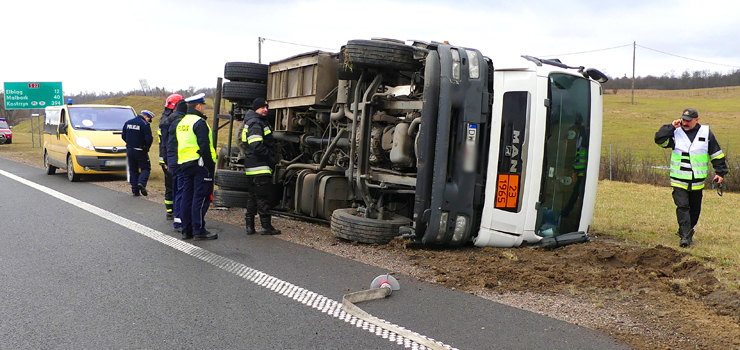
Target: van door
58	150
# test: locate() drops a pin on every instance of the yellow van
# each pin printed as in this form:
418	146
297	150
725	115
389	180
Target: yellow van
85	139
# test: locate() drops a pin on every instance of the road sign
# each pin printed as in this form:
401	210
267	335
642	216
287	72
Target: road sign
33	95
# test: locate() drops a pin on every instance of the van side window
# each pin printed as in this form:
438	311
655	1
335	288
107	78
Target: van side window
51	122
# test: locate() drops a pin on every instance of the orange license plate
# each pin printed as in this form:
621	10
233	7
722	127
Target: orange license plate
507	191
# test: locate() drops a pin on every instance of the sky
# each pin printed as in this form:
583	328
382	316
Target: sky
107	46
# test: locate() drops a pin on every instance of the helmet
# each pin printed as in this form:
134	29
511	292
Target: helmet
172	101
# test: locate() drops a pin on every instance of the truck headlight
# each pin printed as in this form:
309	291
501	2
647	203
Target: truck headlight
473	64
84	142
455	64
461	223
442	225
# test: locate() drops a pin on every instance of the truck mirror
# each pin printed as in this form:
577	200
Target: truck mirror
595	74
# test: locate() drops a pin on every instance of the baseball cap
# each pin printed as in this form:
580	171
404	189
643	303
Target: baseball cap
689	114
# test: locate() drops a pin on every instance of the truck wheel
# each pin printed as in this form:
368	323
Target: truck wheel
222	156
230	199
231	180
381	54
346	224
246	72
71	175
50	169
236	91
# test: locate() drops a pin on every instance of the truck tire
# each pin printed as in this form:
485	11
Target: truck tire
236	91
246	72
382	54
230	199
231	180
347	225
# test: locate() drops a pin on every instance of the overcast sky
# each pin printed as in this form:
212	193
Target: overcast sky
108	46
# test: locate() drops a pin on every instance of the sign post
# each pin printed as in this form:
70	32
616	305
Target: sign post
33	95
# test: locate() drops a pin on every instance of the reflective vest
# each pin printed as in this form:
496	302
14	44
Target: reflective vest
690	160
187	142
256	167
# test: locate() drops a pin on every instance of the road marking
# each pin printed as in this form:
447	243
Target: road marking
304	296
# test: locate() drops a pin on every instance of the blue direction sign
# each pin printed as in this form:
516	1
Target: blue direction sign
34	95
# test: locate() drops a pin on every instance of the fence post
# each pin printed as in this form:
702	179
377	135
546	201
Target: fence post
610	162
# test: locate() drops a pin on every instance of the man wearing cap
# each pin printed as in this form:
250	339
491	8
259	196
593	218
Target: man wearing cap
260	158
162	132
196	158
694	146
137	133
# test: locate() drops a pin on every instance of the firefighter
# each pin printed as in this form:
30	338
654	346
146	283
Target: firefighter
162	132
260	158
694	147
196	158
137	133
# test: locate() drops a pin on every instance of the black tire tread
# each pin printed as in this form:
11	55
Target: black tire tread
230	199
359	229
231	180
381	54
246	72
243	91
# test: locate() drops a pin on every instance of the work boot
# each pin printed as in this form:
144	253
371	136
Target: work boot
267	229
683	233
170	216
249	223
690	237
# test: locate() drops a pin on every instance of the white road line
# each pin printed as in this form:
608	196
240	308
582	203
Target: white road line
306	297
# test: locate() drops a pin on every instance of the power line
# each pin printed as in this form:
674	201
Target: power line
687	58
578	53
285	42
644	47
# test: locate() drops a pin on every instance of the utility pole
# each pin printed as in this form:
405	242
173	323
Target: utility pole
634	47
260	40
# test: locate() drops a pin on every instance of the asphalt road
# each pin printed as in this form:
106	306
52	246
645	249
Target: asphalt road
86	267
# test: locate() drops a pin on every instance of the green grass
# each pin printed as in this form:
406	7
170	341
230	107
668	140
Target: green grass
634	126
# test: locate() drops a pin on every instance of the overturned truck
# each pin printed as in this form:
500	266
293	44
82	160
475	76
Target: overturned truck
428	141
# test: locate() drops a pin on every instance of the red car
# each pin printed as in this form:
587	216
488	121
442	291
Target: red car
6	136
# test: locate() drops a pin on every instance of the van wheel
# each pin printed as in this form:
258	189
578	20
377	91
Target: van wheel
71	175
50	169
347	224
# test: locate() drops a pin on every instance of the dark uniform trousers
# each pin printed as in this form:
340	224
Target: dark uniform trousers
167	189
197	190
688	207
261	196
138	159
178	187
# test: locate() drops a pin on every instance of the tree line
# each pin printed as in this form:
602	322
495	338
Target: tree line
671	81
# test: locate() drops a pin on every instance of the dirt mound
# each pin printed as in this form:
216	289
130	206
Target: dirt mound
671	292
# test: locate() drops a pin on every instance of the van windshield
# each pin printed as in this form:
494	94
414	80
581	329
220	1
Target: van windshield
99	118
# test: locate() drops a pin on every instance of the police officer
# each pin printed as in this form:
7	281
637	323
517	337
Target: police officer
260	158
164	125
137	133
694	146
196	158
181	108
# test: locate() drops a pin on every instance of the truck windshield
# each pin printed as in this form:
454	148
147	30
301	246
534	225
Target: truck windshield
99	118
566	155
3	125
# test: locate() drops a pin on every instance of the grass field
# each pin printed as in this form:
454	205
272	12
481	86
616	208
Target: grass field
641	214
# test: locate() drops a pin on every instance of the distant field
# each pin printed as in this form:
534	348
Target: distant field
634	126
